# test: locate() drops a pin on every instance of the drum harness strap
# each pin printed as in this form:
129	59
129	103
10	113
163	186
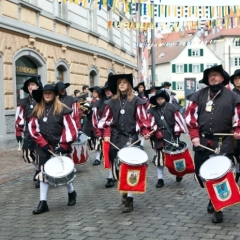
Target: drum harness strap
119	132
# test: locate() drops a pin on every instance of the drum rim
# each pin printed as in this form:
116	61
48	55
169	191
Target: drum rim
230	166
177	152
59	160
139	164
77	142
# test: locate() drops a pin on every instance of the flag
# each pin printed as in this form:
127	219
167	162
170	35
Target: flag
132	178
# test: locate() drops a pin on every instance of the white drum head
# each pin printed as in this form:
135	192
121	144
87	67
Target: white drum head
55	168
81	139
215	167
132	156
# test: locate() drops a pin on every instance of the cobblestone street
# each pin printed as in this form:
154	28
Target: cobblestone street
177	211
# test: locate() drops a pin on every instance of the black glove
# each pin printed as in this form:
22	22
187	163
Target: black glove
60	150
19	139
46	148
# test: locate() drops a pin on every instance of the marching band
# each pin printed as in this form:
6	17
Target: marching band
116	122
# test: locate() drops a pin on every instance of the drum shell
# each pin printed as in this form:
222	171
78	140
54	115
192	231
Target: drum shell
60	181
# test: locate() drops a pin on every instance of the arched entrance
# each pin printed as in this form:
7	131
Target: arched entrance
62	72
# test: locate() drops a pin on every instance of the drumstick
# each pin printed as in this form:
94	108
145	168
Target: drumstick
55	155
140	139
223	134
206	148
114	145
61	160
19	146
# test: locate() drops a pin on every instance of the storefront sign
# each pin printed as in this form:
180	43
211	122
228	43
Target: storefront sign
26	70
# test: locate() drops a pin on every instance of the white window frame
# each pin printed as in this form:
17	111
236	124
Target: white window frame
236	61
196	68
195	52
180	86
237	43
60	9
179	68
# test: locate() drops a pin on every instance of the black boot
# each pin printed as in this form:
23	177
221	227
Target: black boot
178	179
128	205
72	198
210	208
96	162
154	158
217	217
237	177
124	198
36	173
42	207
37	185
160	183
110	183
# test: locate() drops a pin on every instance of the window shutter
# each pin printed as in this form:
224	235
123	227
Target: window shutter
201	52
185	68
173	85
190	68
173	68
201	67
189	52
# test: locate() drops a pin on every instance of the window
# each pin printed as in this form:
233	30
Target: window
195	53
179	86
237	61
60	73
91	17
60	10
209	65
237	43
179	69
196	68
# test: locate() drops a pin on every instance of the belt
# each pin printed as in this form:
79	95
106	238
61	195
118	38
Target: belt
209	135
123	133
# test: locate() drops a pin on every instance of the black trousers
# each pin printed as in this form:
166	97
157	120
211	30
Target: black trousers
199	158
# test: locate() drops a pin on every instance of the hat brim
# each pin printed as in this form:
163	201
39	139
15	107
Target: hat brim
218	69
237	73
140	84
32	79
97	89
164	94
147	92
38	94
112	81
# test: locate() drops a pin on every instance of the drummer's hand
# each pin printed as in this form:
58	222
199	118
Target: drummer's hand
107	139
146	137
196	142
236	135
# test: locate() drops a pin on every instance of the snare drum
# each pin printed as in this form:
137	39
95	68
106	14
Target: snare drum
133	168
59	172
178	160
217	172
80	153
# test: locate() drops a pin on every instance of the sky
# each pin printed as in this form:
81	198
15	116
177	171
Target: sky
199	3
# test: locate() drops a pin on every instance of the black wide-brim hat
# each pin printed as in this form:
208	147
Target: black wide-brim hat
218	69
38	94
236	73
96	88
32	79
160	93
60	86
140	84
112	81
104	88
168	84
147	92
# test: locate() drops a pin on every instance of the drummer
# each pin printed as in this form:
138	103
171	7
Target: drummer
140	88
235	80
23	114
212	110
71	102
123	116
168	122
52	128
98	109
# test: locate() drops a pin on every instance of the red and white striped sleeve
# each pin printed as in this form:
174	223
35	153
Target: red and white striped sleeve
69	131
95	120
191	118
106	121
34	131
19	121
152	122
179	123
236	119
142	122
75	114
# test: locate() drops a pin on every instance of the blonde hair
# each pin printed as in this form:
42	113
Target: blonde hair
57	108
130	94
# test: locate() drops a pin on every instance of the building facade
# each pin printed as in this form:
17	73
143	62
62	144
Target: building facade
58	42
